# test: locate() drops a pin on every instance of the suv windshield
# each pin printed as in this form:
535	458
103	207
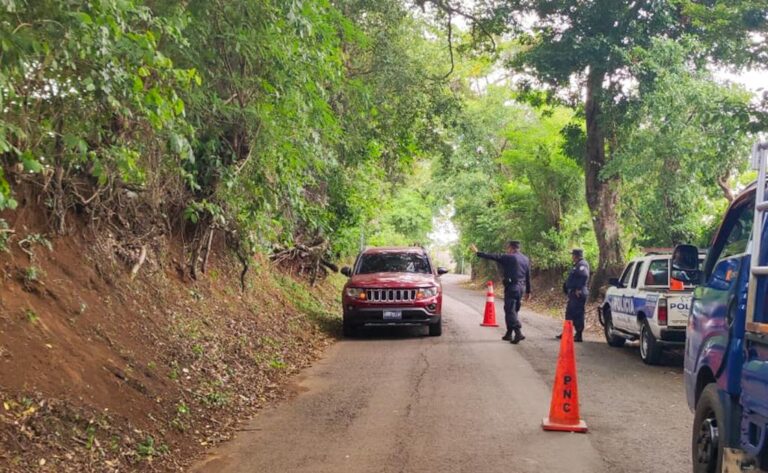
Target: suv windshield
394	263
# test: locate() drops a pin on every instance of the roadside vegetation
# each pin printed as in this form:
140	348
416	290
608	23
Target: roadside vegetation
603	125
273	125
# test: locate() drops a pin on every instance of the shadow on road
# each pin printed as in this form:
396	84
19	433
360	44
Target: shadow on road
388	333
671	357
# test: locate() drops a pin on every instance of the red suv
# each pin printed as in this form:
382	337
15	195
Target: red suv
393	286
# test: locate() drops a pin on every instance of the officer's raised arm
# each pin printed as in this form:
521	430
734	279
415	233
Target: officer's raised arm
480	254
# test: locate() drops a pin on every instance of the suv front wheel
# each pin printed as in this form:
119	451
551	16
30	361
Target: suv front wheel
436	329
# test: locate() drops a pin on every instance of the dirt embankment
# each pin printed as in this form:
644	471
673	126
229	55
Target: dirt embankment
102	371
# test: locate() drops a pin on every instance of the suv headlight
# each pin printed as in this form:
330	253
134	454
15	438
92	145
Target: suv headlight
426	292
356	293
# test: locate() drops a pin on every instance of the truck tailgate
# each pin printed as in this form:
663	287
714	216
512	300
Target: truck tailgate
678	308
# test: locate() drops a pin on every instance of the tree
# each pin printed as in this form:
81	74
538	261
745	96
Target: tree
576	46
510	175
87	96
275	122
681	145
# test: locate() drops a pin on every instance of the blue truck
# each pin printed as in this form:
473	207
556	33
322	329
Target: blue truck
726	352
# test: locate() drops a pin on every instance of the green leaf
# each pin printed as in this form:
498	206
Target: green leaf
99	172
85	18
178	106
31	164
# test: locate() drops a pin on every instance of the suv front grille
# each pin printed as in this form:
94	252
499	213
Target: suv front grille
390	295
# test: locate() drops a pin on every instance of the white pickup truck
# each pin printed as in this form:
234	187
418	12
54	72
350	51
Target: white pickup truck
650	302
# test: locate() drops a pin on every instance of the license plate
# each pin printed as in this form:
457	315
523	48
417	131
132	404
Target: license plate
393	315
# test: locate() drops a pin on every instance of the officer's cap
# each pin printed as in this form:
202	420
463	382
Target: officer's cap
514	243
577	252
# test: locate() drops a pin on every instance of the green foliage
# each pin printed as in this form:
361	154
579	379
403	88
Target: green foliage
5	235
286	122
198	350
213	395
182	408
85	88
90	433
407	218
512	179
31	316
646	104
149	448
32	274
179	421
36	239
683	143
305	113
275	120
173	374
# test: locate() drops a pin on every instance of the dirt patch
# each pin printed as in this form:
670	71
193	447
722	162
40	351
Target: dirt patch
104	372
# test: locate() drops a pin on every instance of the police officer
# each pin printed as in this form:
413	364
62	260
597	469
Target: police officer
517	281
576	287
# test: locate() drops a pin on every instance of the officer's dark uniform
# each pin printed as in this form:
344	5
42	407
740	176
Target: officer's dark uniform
517	278
577	289
523	276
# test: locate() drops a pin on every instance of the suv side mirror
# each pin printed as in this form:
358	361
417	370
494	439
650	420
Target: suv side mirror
615	282
685	258
441	270
346	271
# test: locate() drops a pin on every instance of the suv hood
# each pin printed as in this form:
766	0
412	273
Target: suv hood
381	280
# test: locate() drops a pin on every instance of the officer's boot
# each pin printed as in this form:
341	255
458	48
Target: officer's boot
519	337
507	336
577	337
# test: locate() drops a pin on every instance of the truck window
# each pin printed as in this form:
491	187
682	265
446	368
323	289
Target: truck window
636	276
687	277
740	234
627	274
734	235
658	273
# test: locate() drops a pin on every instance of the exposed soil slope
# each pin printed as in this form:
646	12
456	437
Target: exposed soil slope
100	371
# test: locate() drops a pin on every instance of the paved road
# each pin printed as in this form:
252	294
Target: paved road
397	401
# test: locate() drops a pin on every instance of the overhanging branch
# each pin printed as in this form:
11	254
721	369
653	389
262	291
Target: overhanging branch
476	22
450	49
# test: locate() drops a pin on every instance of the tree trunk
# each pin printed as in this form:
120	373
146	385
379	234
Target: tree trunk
602	194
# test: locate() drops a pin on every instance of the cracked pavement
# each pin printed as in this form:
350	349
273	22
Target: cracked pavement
395	400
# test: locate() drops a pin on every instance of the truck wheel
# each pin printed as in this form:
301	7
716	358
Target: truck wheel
650	349
706	445
610	337
436	329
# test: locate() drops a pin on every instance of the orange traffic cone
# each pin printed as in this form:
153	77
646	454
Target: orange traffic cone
489	317
678	285
564	409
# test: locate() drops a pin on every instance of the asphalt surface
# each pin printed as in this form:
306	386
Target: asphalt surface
395	400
